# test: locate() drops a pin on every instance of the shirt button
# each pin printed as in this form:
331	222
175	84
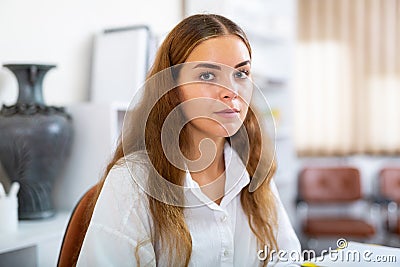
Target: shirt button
223	218
226	253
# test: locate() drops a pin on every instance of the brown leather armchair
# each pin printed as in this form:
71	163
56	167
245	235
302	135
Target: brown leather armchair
330	188
76	229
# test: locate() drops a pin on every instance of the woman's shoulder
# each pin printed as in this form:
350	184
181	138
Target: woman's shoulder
121	197
125	177
121	219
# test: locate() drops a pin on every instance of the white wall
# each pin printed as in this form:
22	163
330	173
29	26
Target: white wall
61	32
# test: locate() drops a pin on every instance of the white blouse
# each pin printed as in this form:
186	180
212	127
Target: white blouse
221	235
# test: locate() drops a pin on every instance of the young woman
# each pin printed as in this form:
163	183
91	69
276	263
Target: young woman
191	183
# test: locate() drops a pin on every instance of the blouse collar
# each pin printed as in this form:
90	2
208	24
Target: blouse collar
236	178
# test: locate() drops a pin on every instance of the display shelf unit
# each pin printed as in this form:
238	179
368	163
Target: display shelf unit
96	130
35	243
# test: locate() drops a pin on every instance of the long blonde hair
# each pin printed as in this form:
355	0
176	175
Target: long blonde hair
169	223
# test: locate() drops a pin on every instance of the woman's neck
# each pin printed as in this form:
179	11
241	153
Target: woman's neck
207	156
209	167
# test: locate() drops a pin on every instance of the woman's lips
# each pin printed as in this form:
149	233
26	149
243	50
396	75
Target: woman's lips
228	113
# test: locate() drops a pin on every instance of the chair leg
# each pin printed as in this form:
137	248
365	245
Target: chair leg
312	243
393	240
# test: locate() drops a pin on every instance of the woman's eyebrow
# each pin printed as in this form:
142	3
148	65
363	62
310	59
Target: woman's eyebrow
242	63
207	65
216	67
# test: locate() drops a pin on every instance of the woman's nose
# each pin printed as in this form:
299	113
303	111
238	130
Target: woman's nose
228	94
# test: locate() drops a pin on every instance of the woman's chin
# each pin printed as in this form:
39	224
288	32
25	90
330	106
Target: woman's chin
228	130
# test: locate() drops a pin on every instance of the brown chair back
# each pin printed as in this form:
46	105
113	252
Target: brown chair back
76	229
389	183
329	184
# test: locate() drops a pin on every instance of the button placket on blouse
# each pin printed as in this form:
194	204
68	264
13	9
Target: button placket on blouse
227	239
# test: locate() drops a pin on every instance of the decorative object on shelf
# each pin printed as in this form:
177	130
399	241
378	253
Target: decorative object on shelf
9	209
35	141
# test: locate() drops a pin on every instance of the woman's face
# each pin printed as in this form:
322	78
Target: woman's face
216	88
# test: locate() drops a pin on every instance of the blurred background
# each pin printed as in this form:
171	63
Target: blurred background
330	71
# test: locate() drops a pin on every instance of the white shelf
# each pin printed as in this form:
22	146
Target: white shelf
35	231
36	234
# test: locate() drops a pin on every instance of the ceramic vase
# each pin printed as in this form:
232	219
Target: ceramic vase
35	141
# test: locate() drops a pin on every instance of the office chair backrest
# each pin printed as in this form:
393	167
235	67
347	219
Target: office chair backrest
389	183
76	229
333	184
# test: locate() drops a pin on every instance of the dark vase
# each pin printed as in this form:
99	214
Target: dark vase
35	141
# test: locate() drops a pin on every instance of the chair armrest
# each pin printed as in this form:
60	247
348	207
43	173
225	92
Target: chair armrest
380	200
299	200
388	208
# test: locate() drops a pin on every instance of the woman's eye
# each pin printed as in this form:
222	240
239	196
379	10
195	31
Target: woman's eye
207	76
242	74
